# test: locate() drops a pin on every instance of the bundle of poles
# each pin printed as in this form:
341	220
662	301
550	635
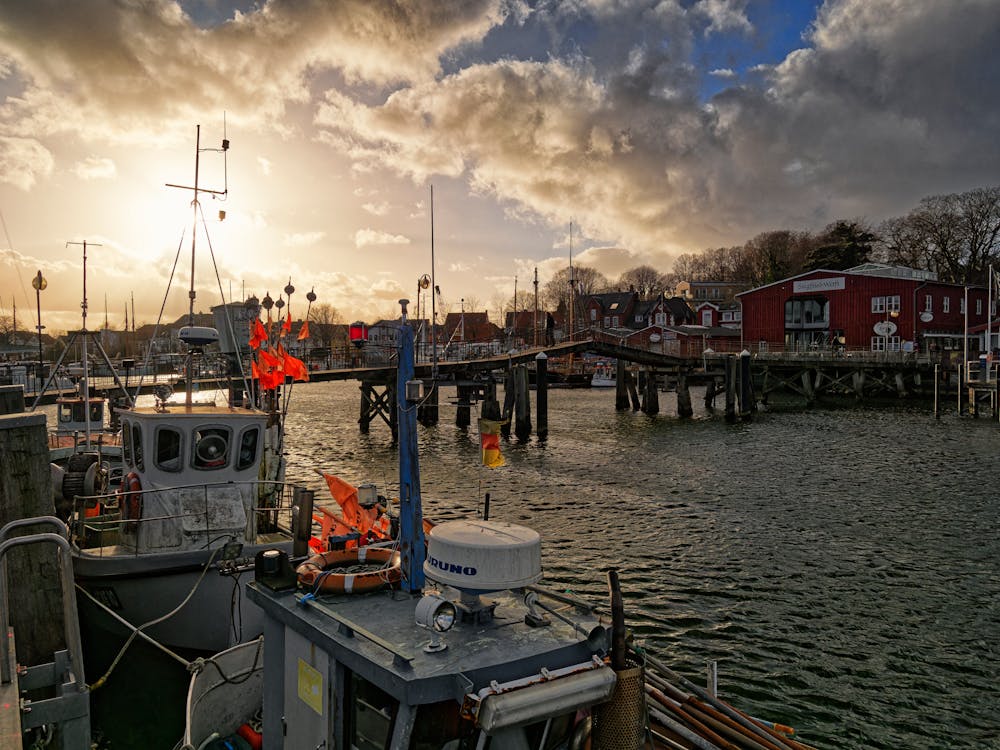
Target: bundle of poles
684	716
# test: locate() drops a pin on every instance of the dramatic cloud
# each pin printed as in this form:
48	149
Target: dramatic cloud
95	168
366	237
23	161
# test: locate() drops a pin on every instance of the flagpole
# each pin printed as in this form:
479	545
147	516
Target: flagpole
434	348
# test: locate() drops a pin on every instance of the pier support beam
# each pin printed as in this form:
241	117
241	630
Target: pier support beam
748	401
427	412
509	394
463	414
491	407
807	388
684	408
375	404
711	388
730	389
522	404
542	396
650	397
621	387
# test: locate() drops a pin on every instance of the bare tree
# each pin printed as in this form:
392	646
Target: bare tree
587	282
324	318
646	280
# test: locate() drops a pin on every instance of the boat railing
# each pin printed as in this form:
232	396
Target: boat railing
99	437
98	523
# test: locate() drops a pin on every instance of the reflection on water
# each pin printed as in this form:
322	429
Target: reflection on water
841	566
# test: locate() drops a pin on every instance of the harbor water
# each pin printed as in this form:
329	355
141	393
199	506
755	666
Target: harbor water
841	564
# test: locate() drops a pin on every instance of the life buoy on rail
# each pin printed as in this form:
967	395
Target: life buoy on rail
131	497
319	571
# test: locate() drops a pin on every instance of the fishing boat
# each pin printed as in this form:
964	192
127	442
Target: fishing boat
202	493
451	641
604	375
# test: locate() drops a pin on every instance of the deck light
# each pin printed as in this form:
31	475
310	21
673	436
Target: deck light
438	616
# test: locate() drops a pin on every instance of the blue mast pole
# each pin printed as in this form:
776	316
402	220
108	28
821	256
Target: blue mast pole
412	545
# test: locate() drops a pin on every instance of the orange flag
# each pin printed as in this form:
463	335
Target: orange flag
286	327
303	331
257	334
346	496
294	367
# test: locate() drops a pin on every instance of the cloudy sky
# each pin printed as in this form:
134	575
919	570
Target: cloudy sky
655	126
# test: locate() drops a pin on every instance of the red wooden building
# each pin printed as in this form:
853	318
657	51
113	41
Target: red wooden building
871	307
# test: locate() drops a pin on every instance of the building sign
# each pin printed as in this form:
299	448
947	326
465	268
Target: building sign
818	285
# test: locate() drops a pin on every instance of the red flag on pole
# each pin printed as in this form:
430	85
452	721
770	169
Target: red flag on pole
257	334
303	331
286	327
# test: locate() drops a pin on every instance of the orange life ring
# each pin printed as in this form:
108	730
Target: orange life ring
131	497
318	568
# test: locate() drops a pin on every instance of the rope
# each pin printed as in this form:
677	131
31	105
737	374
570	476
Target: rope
137	630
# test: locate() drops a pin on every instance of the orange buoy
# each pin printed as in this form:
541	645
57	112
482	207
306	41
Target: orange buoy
319	571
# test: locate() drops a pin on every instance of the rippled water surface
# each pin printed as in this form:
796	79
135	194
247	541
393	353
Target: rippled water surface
841	565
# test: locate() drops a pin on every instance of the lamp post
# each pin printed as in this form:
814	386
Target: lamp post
422	283
39	283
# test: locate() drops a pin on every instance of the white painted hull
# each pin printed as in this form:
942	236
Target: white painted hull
221	700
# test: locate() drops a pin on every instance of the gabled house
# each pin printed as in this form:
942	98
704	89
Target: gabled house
610	310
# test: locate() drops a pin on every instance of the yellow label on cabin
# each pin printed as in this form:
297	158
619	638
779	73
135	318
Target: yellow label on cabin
311	687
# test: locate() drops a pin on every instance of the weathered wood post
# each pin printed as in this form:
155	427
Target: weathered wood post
650	397
427	412
26	492
463	412
710	390
522	408
509	392
807	387
633	392
367	399
730	389
11	399
542	395
684	408
748	402
621	387
491	407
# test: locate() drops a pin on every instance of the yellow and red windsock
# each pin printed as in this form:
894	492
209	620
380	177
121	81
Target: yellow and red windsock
489	437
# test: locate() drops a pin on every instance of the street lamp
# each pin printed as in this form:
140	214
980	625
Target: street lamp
39	283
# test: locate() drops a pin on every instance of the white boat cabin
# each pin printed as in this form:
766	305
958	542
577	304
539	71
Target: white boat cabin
191	475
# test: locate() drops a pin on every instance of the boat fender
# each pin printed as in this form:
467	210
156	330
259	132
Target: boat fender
318	572
251	735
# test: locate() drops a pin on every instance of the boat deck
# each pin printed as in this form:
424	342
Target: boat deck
379	629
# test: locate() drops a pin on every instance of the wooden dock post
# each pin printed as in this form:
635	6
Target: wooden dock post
633	393
683	396
463	414
621	387
427	412
367	410
11	399
522	404
710	390
491	407
542	395
509	393
748	401
807	387
26	492
650	397
730	389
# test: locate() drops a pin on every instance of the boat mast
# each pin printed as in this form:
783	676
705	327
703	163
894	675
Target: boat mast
83	345
412	545
195	206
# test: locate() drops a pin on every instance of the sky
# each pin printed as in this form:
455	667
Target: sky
625	132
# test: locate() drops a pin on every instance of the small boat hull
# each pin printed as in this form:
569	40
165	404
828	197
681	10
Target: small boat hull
220	700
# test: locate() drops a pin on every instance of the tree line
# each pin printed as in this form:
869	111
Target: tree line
956	235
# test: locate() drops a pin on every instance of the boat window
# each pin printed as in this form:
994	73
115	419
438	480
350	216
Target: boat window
439	724
97	412
127	442
370	717
211	447
137	447
65	412
248	448
168	449
79	415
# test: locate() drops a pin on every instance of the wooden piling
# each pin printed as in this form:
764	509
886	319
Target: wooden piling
542	395
367	401
34	584
509	391
807	388
710	391
684	408
522	404
427	412
730	389
491	407
650	396
463	411
633	392
11	399
748	401
621	387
